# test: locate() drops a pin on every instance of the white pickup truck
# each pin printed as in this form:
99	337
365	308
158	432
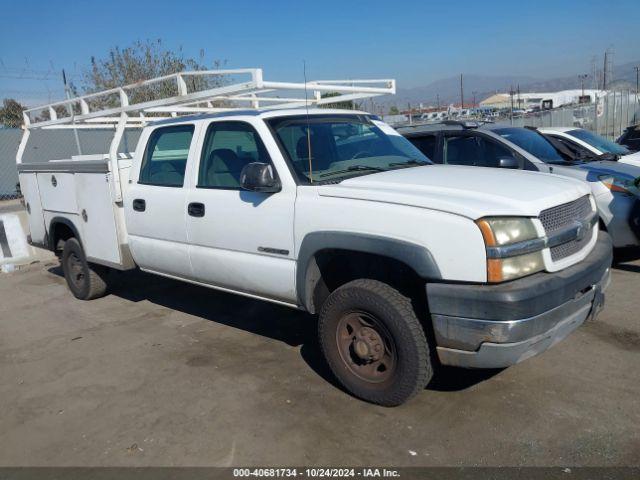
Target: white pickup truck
407	264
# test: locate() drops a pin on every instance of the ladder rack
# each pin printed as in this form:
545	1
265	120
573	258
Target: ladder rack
187	93
254	93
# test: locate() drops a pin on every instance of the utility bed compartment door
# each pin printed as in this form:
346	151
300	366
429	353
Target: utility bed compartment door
97	217
57	191
29	187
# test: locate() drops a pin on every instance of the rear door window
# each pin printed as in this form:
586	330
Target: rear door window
165	159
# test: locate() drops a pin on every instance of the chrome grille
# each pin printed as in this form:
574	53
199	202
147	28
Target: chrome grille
562	216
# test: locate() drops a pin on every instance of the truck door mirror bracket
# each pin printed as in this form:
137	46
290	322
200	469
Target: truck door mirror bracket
259	177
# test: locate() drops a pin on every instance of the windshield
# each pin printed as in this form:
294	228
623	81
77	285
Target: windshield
532	142
342	146
601	143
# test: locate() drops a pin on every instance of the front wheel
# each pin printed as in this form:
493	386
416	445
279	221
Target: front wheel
85	280
374	342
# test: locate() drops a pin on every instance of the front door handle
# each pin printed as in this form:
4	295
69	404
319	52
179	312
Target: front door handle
196	209
139	205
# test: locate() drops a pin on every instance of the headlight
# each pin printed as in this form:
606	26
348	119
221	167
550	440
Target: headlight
620	184
503	231
514	248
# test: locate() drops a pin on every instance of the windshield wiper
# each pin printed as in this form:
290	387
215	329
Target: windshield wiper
608	156
354	168
409	163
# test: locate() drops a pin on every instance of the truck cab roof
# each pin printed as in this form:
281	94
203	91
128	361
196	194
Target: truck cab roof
265	114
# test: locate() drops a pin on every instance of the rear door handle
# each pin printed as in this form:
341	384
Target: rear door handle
196	209
139	205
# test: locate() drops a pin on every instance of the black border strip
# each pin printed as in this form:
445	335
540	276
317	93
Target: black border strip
340	472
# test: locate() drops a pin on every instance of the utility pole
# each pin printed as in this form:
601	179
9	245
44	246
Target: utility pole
474	98
461	93
511	92
637	80
604	71
519	105
608	68
438	101
582	78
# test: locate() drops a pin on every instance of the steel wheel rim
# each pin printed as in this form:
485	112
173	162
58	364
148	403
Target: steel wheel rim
76	270
366	347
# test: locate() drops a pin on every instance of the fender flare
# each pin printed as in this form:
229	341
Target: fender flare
65	221
417	257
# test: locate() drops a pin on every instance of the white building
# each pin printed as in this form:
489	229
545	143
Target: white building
542	101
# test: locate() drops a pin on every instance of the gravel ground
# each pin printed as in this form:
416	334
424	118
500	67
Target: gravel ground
165	373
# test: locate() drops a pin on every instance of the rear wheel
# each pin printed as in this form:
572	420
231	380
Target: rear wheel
374	342
85	280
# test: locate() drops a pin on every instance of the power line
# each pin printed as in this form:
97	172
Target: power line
19	76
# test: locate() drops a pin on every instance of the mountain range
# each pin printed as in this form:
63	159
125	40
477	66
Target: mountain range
447	90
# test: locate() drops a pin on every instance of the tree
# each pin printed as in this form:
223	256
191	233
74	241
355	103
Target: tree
142	61
11	113
393	110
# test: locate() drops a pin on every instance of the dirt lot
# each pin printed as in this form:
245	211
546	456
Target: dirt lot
164	373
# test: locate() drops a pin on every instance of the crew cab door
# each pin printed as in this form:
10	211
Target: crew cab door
240	240
155	201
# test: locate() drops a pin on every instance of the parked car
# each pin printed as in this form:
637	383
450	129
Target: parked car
590	145
630	138
407	264
614	185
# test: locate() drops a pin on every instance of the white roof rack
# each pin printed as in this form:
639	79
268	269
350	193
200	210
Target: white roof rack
187	93
192	92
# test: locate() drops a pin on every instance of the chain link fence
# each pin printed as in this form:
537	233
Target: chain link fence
609	116
9	141
45	145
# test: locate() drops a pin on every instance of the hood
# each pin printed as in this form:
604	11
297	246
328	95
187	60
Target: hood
631	159
472	192
608	167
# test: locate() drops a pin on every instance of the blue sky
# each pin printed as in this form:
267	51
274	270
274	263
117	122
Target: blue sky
414	41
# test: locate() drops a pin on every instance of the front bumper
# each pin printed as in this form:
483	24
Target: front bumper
494	326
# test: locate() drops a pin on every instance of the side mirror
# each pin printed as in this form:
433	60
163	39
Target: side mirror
259	177
508	162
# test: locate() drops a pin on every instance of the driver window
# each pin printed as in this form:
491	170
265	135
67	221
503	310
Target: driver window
474	150
462	150
228	147
493	151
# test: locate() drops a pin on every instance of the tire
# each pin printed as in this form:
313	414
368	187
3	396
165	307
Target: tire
85	280
353	351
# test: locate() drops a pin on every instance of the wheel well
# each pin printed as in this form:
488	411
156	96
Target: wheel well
60	233
601	224
333	268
